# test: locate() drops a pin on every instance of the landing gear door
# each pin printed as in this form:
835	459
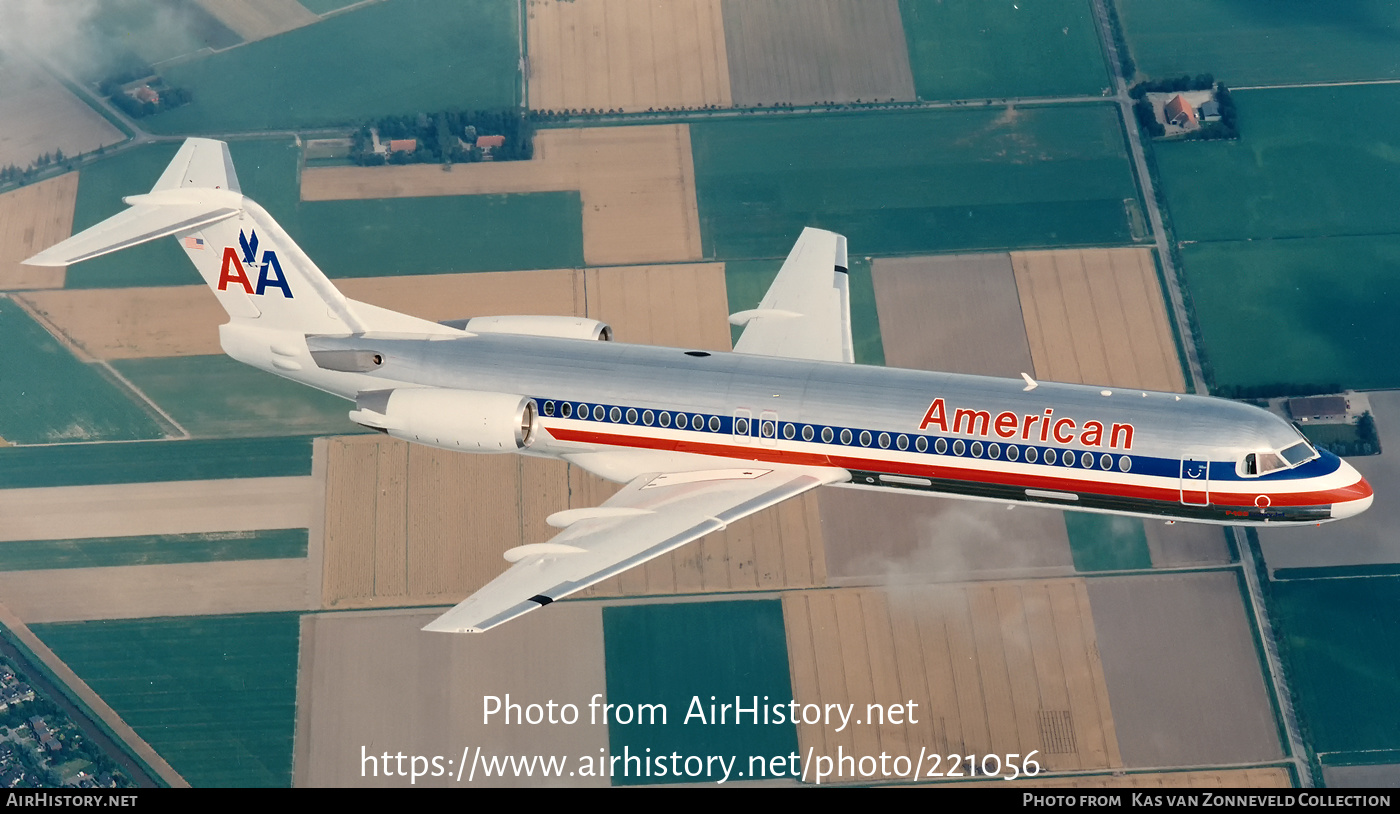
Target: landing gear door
1195	482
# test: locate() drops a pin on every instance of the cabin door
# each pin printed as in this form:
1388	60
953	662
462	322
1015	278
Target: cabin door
743	426
1195	482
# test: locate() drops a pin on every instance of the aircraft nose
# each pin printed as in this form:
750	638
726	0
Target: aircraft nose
1355	499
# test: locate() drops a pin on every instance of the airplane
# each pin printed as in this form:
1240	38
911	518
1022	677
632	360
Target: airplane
702	439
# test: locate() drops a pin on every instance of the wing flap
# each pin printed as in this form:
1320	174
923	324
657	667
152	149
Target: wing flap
592	550
806	313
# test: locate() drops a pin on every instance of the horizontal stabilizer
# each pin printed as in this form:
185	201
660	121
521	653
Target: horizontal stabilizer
152	218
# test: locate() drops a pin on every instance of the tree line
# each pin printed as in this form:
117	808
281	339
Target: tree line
446	137
1227	128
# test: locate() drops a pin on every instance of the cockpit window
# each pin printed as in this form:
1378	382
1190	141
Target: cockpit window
1298	453
1262	463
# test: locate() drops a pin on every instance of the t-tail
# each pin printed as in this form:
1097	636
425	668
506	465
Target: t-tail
273	292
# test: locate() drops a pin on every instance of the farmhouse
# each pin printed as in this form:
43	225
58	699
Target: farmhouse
403	145
1180	113
1317	408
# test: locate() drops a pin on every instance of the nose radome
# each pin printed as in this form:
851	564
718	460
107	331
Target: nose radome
1356	499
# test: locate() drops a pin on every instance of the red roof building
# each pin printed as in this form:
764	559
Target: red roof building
403	145
1180	112
487	142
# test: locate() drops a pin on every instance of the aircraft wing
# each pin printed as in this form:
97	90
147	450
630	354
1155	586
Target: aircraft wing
652	515
806	313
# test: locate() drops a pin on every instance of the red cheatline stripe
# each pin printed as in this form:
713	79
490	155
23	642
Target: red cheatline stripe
1355	491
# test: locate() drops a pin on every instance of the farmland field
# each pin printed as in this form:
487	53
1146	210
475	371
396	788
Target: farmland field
1264	43
1331	172
124	33
1341	646
48	396
72	465
372	61
1299	311
669	654
214	695
628	54
359	238
217	397
153	549
746	281
815	51
1101	542
914	182
961	50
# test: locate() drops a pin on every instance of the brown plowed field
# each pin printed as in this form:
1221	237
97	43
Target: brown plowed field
375	678
32	219
257	19
814	51
996	667
408	524
628	54
681	305
41	116
1096	316
137	591
637	186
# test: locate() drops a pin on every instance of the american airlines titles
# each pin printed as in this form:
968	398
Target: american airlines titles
1044	427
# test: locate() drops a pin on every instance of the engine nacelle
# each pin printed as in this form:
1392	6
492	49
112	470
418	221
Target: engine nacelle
463	420
559	327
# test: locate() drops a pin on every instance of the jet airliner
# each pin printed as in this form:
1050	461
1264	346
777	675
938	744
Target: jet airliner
702	439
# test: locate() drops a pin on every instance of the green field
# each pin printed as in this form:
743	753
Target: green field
365	238
1341	648
672	654
979	50
153	549
217	397
48	396
214	695
1296	311
1104	542
1329	172
746	281
153	461
914	182
380	59
1258	43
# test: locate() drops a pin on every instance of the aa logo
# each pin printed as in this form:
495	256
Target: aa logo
235	268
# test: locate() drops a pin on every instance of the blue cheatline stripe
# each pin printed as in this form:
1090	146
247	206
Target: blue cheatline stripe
860	437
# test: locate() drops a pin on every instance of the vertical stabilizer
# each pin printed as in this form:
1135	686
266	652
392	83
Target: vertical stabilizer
201	163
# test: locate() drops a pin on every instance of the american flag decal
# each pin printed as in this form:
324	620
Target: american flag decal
194	243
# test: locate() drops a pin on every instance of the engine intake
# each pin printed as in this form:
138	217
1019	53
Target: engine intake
462	420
